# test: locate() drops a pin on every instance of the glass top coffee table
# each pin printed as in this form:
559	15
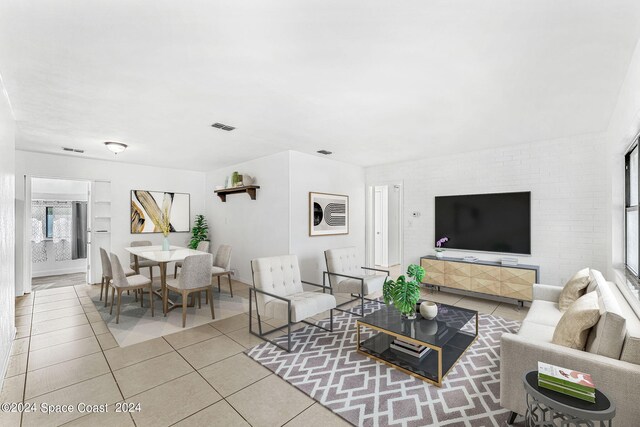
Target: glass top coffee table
446	338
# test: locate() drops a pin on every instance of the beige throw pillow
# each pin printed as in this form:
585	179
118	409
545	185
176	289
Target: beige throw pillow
576	323
574	289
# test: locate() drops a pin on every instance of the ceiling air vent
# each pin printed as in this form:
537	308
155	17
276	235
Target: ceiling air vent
223	126
325	152
73	150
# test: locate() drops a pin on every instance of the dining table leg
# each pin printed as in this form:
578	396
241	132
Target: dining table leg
136	265
163	283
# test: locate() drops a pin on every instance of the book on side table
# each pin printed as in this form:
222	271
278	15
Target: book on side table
409	348
566	381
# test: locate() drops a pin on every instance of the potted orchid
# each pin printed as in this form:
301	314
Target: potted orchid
439	249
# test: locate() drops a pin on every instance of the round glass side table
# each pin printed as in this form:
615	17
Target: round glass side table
548	408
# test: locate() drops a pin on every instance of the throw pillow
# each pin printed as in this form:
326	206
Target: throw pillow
573	328
574	289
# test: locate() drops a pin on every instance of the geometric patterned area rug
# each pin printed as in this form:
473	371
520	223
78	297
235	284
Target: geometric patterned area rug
327	367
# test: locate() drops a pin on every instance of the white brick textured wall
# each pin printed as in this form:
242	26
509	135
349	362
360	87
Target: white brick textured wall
569	200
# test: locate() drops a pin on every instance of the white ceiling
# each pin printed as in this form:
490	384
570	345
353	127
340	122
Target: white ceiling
373	81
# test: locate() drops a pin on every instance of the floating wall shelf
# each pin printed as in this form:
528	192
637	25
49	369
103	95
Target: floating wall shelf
249	189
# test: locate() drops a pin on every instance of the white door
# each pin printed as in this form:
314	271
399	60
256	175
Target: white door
378	220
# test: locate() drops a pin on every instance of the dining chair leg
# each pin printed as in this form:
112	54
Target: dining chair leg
230	285
151	298
106	294
206	296
199	300
118	309
151	274
210	296
113	294
165	291
101	287
218	284
175	271
184	309
141	297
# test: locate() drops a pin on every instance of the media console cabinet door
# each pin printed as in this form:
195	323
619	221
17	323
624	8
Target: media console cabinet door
517	283
457	275
485	279
433	271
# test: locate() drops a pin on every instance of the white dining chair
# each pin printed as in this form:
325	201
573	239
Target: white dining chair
107	274
202	247
195	276
278	293
120	282
222	266
142	262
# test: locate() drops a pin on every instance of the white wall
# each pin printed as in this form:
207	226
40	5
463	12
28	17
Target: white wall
313	173
253	228
394	224
276	223
568	185
7	246
124	177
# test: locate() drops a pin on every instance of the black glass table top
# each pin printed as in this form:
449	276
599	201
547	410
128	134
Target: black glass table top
437	332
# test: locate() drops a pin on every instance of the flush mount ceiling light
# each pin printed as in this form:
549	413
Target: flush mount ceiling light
116	147
325	152
222	126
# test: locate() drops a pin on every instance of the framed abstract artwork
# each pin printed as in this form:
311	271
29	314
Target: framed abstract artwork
147	208
328	214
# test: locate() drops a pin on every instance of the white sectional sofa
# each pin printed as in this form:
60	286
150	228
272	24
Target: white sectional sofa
612	355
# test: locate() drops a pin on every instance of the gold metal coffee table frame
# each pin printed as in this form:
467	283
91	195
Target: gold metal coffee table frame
439	350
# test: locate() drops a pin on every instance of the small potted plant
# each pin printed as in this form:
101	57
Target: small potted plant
404	293
439	249
199	231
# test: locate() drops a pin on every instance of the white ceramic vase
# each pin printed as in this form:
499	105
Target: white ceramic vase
439	254
429	310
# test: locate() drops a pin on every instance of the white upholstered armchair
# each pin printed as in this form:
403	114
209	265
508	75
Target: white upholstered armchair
346	276
278	292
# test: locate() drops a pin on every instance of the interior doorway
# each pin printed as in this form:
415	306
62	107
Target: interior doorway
58	232
385	231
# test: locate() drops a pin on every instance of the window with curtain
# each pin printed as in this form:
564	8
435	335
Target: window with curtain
632	229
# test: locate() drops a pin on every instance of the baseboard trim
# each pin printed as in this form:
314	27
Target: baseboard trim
5	362
58	272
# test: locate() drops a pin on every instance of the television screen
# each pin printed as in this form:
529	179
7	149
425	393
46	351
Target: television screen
498	222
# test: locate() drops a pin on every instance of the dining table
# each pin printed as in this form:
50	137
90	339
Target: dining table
162	257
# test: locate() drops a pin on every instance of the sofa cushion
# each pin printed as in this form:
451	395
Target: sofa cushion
536	331
607	336
574	325
595	277
631	350
544	313
574	288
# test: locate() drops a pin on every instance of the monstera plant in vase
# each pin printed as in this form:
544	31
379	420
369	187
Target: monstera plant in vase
404	292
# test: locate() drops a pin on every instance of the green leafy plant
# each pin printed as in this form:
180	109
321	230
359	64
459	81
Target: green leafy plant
199	231
404	293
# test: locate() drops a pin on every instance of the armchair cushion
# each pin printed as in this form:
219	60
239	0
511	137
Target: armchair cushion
303	306
372	283
574	289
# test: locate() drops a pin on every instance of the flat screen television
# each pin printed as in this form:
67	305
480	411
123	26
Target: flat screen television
499	222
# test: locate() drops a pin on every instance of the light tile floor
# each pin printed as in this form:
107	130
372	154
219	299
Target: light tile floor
200	376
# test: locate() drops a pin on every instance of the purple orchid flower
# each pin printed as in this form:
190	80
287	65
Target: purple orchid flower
441	241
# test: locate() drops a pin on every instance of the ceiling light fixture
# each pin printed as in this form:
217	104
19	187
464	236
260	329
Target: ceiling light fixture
116	147
325	152
222	126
